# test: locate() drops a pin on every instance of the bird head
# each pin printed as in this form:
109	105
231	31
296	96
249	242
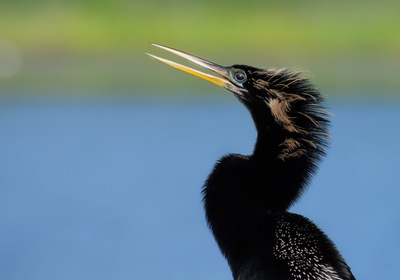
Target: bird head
284	105
234	78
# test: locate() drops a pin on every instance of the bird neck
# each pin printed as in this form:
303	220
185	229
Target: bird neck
280	178
241	197
269	134
266	146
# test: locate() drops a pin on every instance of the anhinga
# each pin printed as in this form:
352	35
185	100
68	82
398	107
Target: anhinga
246	198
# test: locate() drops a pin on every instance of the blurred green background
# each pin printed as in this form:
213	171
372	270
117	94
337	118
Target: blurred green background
80	48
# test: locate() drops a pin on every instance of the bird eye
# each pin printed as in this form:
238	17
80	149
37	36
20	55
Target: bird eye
240	76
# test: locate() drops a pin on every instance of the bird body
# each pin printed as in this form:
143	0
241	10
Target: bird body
247	197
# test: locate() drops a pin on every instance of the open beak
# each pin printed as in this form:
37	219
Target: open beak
222	71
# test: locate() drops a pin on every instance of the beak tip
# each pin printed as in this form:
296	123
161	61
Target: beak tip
152	56
155	45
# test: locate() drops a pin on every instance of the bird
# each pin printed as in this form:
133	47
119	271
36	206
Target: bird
247	197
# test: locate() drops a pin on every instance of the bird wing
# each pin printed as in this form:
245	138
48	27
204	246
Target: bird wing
307	251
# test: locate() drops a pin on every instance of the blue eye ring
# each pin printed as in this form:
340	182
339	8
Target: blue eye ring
239	76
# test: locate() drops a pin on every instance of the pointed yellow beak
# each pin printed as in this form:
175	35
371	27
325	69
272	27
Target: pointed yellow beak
222	81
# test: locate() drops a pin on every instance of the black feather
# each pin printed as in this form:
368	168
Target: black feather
246	197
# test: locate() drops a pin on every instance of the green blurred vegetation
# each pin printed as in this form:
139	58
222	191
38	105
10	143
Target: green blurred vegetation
80	47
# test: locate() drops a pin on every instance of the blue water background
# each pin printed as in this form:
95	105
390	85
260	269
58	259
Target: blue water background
110	189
